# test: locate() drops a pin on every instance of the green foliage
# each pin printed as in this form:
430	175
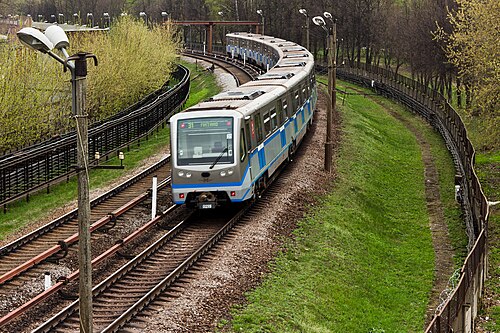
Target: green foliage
35	94
363	262
133	61
22	213
473	47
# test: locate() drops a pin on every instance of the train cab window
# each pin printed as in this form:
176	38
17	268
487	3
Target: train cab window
274	119
267	123
258	127
202	141
243	146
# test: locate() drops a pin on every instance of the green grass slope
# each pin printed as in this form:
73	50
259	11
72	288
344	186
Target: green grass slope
363	262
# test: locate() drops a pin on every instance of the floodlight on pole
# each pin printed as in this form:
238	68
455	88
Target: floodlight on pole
261	13
55	37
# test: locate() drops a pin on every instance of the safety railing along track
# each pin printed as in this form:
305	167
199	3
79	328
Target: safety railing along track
458	312
41	165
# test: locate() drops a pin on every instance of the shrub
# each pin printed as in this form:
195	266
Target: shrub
35	94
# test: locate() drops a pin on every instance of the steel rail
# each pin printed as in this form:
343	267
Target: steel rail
174	275
250	70
73	276
154	291
74	238
73	214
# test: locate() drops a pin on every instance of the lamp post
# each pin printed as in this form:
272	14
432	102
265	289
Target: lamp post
90	17
144	16
55	37
53	17
221	14
164	16
261	13
60	20
107	19
304	12
76	18
319	21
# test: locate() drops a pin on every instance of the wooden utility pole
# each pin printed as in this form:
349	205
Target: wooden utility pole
78	80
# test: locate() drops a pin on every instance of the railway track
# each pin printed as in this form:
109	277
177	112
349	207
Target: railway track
27	258
49	248
122	302
128	291
242	73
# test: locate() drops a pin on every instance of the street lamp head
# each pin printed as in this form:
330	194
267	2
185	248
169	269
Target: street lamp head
142	14
327	15
220	13
260	12
35	39
319	21
57	36
164	14
303	11
105	14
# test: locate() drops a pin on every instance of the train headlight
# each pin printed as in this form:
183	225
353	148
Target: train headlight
181	173
223	173
188	174
230	172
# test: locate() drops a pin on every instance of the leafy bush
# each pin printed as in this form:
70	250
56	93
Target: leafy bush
35	94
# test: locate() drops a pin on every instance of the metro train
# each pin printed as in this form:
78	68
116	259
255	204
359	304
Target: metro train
224	150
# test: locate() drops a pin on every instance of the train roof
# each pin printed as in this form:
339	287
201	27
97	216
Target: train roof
294	64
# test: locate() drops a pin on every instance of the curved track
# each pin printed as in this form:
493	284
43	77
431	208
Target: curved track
242	73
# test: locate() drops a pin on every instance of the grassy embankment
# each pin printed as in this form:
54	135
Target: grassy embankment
363	262
22	213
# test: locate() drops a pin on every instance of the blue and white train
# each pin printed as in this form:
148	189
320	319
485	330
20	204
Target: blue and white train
225	149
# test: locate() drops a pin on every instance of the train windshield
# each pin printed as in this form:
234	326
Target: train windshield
205	141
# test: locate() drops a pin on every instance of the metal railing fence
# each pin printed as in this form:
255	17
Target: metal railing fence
41	165
458	312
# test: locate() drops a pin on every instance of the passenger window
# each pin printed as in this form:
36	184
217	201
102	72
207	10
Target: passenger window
295	101
258	127
285	107
243	146
249	136
281	118
267	123
274	120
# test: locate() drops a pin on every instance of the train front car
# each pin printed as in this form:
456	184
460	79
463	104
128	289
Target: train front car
207	151
225	150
